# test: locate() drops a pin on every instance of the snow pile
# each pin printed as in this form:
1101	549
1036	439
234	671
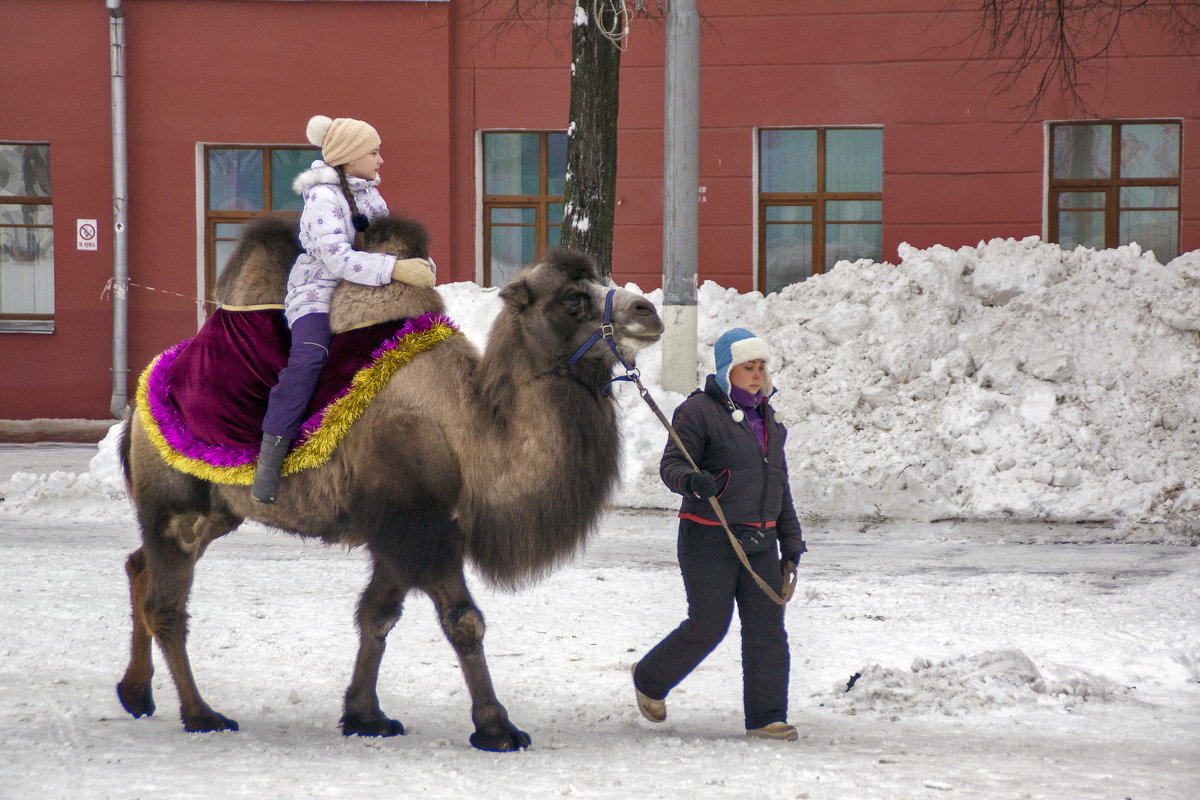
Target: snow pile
991	681
1008	380
1011	380
96	494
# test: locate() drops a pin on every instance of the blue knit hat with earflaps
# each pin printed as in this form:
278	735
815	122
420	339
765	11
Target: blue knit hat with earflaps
737	346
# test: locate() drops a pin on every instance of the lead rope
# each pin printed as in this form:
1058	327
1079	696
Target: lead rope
790	589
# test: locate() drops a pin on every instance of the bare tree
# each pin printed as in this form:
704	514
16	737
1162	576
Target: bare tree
1064	42
589	194
598	32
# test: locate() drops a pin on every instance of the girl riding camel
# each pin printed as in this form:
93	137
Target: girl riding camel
340	200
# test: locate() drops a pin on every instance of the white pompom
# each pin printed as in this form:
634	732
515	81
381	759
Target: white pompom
318	126
738	415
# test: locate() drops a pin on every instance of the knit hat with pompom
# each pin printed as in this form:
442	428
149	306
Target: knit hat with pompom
341	140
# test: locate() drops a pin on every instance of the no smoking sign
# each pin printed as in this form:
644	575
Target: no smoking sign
85	234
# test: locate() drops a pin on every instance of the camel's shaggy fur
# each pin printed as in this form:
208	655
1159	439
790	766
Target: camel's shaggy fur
504	458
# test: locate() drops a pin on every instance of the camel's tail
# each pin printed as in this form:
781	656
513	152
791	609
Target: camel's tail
123	449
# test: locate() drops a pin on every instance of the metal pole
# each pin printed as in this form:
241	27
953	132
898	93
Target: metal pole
681	186
120	284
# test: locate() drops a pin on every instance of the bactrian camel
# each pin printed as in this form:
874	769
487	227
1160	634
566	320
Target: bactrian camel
504	458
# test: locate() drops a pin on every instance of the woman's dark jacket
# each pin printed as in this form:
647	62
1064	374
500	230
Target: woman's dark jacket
753	489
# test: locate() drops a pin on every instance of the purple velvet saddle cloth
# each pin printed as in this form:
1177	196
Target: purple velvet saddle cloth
216	384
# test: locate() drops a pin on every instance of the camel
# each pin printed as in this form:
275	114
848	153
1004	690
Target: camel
505	458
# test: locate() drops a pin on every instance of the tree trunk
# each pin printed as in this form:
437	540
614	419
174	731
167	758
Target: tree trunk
590	190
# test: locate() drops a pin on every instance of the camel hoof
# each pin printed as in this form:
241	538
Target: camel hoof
504	740
137	701
354	725
210	722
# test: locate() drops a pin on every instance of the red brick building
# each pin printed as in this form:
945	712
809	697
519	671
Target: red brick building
828	129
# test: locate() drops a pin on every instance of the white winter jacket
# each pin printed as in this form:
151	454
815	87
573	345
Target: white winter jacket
327	236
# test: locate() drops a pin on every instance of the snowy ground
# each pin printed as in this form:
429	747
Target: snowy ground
1044	645
997	661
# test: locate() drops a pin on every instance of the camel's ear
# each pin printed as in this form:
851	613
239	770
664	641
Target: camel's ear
517	295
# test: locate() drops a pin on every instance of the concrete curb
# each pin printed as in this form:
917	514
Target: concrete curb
31	431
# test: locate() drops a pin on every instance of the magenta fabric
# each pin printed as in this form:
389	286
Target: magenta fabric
220	379
209	393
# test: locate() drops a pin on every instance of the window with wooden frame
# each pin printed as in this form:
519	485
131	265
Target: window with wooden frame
242	182
523	177
820	201
1114	183
26	238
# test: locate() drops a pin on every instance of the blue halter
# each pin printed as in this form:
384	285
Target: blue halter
606	331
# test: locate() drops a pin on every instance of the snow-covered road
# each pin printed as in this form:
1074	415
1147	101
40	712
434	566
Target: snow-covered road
1019	661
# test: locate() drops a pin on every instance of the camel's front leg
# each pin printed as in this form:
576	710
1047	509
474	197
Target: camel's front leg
463	625
378	611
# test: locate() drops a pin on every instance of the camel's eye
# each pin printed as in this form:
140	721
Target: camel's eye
576	302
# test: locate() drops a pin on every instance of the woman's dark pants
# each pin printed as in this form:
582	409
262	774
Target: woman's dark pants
715	580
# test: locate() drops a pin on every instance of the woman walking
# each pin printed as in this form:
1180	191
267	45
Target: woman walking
730	430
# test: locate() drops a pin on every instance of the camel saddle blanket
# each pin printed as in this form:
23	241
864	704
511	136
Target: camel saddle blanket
203	400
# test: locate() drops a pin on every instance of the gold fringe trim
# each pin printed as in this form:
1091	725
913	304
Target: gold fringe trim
319	447
259	307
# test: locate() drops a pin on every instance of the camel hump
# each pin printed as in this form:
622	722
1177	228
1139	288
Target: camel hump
355	305
256	273
397	235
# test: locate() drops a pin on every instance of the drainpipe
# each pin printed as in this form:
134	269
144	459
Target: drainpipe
120	284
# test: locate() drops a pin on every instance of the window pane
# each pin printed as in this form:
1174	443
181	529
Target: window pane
24	170
229	230
1081	199
222	250
285	166
854	210
556	166
789	255
554	224
1153	230
510	163
854	160
1082	151
26	214
789	213
27	271
1081	228
788	160
1150	197
852	242
235	180
511	249
1150	151
514	216
225	235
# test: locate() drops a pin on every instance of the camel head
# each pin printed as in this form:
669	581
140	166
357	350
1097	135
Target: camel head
559	304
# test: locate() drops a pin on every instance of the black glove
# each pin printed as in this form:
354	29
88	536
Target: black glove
789	562
700	485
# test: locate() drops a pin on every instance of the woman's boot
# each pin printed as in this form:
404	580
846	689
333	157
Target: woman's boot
270	463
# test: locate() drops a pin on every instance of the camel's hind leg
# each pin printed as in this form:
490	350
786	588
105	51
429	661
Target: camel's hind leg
463	625
134	690
160	580
378	611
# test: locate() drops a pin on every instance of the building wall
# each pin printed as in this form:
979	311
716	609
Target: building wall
961	163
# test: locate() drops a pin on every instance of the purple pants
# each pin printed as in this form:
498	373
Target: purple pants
715	581
290	397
